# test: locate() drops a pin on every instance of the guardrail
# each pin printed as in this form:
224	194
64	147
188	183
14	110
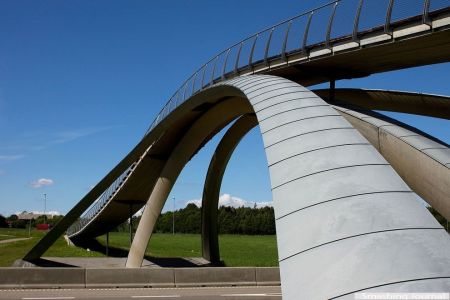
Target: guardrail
321	26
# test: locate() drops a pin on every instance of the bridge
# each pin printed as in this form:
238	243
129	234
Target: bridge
343	182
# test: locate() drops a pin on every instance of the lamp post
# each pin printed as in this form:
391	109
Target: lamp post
173	217
45	208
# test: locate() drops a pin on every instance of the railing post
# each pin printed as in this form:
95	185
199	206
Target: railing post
184	93
426	10
214	70
330	24
224	67
286	35
305	36
250	56
236	63
193	82
266	53
387	24
356	22
203	76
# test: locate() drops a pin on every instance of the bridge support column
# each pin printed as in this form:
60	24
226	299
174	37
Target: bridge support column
211	190
215	119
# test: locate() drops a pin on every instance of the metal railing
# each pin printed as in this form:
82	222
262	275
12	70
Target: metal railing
104	198
319	27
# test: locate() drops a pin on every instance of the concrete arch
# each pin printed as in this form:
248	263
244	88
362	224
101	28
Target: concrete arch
212	121
213	182
429	175
437	106
345	220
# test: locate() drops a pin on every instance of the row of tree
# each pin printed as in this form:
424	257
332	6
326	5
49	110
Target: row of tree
242	220
13	221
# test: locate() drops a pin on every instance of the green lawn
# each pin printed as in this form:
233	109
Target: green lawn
236	250
9	252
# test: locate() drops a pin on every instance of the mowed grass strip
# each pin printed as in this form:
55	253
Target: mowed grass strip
10	252
235	250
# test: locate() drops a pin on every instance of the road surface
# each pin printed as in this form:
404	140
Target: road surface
223	293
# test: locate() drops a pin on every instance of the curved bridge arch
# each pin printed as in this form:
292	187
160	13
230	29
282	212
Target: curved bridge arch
213	182
343	212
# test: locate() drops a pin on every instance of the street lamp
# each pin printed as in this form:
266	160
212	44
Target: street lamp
173	217
45	208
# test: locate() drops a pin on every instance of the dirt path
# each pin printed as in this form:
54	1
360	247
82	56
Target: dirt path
13	240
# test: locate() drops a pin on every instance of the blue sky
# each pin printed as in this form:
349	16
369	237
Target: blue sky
80	82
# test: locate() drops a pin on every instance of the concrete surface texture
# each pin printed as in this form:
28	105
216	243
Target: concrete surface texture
343	215
423	162
69	277
437	106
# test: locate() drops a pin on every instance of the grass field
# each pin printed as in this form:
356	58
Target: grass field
235	250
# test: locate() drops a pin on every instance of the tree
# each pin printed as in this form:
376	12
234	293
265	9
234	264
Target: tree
3	222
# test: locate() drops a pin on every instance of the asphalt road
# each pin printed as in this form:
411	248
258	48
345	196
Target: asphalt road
223	293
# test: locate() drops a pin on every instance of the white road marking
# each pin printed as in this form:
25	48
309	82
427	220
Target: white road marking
47	298
163	296
249	295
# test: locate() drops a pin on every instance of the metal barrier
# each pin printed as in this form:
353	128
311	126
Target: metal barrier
319	27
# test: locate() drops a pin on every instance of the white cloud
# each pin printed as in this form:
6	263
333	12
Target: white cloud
229	200
10	157
38	139
41	182
70	135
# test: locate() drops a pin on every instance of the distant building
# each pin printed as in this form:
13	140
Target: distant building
34	215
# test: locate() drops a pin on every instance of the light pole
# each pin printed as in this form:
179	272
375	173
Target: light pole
173	217
45	208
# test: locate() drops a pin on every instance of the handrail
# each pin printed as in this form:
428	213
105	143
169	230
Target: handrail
200	79
104	198
329	25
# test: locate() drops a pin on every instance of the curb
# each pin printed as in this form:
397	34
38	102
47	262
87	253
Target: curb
31	278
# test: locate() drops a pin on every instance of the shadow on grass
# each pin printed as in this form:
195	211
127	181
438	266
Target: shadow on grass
163	262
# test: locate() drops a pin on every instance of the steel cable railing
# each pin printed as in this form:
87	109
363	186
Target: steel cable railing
104	198
321	26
